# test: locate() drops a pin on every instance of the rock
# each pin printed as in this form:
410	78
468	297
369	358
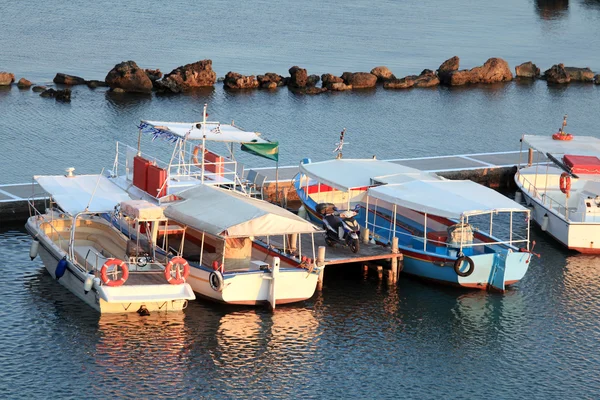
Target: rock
527	70
129	77
428	78
60	95
270	80
24	84
153	74
580	74
404	83
446	69
236	81
597	79
329	79
338	86
48	93
359	80
6	78
93	84
457	78
314	90
63	95
492	71
68	79
557	74
312	80
118	90
382	73
188	77
298	77
38	88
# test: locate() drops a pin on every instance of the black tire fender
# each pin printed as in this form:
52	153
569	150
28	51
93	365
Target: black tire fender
215	279
459	262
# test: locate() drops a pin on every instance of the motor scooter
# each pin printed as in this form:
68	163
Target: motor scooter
340	227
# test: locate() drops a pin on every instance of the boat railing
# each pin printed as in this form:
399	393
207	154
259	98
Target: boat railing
546	200
374	228
33	211
223	171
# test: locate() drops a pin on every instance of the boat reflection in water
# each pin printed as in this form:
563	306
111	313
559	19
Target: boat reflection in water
132	352
262	341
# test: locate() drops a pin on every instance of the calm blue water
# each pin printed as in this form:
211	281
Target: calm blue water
357	338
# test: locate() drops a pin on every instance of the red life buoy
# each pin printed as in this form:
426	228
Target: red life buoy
565	183
117	264
180	277
195	154
562	136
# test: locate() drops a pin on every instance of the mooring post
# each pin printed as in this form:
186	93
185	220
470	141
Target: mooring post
321	264
380	272
293	242
284	198
530	157
364	233
394	260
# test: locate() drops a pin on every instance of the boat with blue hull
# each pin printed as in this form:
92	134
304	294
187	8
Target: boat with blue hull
454	232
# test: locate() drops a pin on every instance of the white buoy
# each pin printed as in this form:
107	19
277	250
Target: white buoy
544	225
518	196
96	283
33	250
302	213
88	283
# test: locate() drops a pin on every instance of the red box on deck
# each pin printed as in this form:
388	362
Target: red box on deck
582	164
156	180
438	238
140	172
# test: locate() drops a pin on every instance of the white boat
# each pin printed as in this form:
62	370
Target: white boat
454	232
93	260
564	193
241	250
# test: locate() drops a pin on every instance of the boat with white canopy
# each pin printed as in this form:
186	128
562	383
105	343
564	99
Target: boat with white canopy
190	162
107	270
241	250
455	232
564	192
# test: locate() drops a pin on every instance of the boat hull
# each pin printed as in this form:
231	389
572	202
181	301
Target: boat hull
580	237
492	271
100	298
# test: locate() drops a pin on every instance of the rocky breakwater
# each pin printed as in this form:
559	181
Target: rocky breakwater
187	77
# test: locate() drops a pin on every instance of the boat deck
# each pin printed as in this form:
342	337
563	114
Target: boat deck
342	255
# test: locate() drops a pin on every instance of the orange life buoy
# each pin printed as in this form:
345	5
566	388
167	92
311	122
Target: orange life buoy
565	183
195	153
562	136
117	264
180	278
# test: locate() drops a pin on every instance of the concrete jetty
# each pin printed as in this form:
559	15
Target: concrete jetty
491	169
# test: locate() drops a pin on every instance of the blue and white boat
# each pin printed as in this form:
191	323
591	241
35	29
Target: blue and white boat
453	232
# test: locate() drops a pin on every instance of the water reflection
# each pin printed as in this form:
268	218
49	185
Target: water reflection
552	9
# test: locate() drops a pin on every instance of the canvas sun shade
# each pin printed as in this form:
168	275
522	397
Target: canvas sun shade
228	214
447	198
214	131
73	194
346	174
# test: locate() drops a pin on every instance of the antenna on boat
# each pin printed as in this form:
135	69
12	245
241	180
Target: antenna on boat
340	145
203	139
94	192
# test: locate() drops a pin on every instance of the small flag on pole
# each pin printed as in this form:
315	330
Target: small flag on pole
340	144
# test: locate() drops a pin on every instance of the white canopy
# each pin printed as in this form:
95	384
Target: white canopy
445	198
345	174
73	194
226	213
579	145
214	131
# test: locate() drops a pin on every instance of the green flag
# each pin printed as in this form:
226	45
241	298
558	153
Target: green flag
268	150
